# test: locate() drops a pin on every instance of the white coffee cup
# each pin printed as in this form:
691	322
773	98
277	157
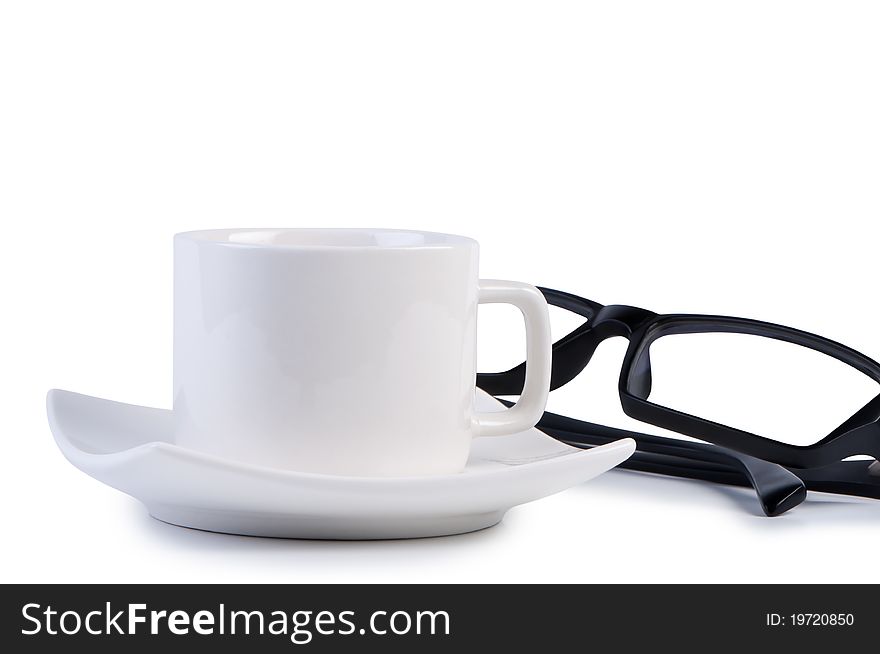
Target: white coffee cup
340	351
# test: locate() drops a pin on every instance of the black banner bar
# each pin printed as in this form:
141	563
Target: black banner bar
317	618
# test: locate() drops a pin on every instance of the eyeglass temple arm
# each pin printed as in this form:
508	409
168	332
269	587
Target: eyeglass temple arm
778	489
688	460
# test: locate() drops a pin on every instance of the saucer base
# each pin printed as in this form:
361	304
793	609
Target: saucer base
319	527
132	449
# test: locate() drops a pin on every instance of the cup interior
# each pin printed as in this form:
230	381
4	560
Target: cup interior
328	238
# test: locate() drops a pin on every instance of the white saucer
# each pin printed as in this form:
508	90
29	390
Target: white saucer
131	449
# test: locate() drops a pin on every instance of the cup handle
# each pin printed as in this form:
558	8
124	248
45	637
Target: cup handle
528	410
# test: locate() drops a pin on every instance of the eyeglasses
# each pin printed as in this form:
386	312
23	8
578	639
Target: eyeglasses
779	472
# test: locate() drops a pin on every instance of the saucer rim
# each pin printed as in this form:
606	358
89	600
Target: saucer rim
112	459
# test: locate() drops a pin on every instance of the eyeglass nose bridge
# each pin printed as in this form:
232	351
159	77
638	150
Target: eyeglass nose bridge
620	320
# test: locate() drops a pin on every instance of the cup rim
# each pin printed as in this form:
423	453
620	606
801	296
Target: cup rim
326	238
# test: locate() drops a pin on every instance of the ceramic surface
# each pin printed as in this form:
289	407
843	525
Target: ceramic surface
273	326
132	449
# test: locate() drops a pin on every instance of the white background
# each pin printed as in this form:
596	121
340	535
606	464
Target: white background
712	157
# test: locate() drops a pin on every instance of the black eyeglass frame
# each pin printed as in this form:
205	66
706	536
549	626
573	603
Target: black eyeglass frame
859	435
